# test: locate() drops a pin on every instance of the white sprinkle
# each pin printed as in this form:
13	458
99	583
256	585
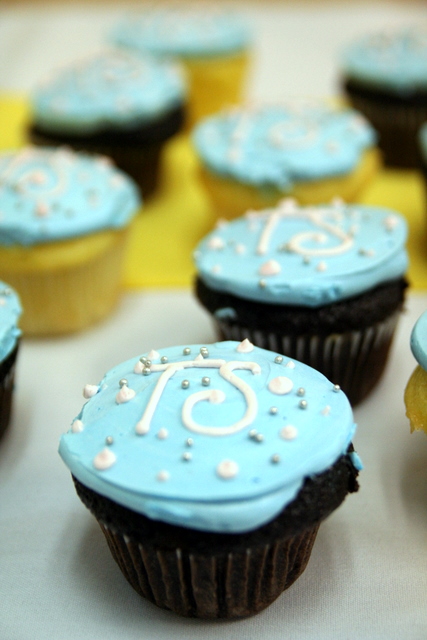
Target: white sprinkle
77	426
326	411
227	469
104	459
90	390
125	394
270	268
290	364
280	385
322	266
162	476
216	243
162	434
245	346
289	432
390	223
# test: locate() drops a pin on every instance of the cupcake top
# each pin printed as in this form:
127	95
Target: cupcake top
183	31
217	437
395	61
283	144
55	194
419	341
113	89
309	256
10	312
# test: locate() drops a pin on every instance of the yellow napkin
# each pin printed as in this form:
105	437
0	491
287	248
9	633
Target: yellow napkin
171	223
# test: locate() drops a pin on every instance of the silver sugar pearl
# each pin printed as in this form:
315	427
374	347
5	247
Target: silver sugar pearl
186	351
146	371
204	351
109	440
336	388
259	437
147	363
123	382
206	381
306	260
189	442
143	359
301	391
273	410
262	283
278	359
185	384
275	458
252	433
163	359
303	404
186	456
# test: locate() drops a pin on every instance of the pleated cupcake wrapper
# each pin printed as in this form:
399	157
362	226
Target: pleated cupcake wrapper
7	379
355	359
397	126
70	298
231	585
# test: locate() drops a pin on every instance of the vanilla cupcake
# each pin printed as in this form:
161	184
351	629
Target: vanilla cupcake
65	218
209	469
324	284
212	44
115	104
250	158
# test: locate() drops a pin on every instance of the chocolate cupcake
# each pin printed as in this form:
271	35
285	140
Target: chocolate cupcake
115	104
322	284
384	76
10	312
209	470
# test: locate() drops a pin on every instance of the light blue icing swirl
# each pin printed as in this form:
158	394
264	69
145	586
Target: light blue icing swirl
10	312
55	194
308	256
113	89
419	341
173	473
395	61
282	145
183	31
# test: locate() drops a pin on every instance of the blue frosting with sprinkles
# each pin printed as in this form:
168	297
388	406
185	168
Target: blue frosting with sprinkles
308	256
216	438
394	60
282	145
419	341
56	194
183	31
111	90
10	312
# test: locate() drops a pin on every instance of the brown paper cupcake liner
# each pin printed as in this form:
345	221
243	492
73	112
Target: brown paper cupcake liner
355	359
231	585
7	380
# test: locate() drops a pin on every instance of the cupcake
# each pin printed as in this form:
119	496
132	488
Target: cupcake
323	284
204	529
416	389
253	157
115	104
211	43
384	76
64	222
10	311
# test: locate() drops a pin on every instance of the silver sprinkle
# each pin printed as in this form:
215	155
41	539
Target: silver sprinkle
262	283
186	456
186	351
252	433
206	381
185	384
109	440
301	391
123	382
306	260
303	404
259	437
147	363
204	351
273	410
275	458
278	359
143	359
146	371
163	359
336	388
189	442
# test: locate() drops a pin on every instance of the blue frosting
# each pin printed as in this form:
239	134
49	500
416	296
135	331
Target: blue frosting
308	256
283	145
239	459
55	194
113	89
395	61
183	31
10	312
419	341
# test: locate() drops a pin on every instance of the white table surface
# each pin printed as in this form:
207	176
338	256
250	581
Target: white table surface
367	576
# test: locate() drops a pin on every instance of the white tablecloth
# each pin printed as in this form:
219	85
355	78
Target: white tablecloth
367	576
